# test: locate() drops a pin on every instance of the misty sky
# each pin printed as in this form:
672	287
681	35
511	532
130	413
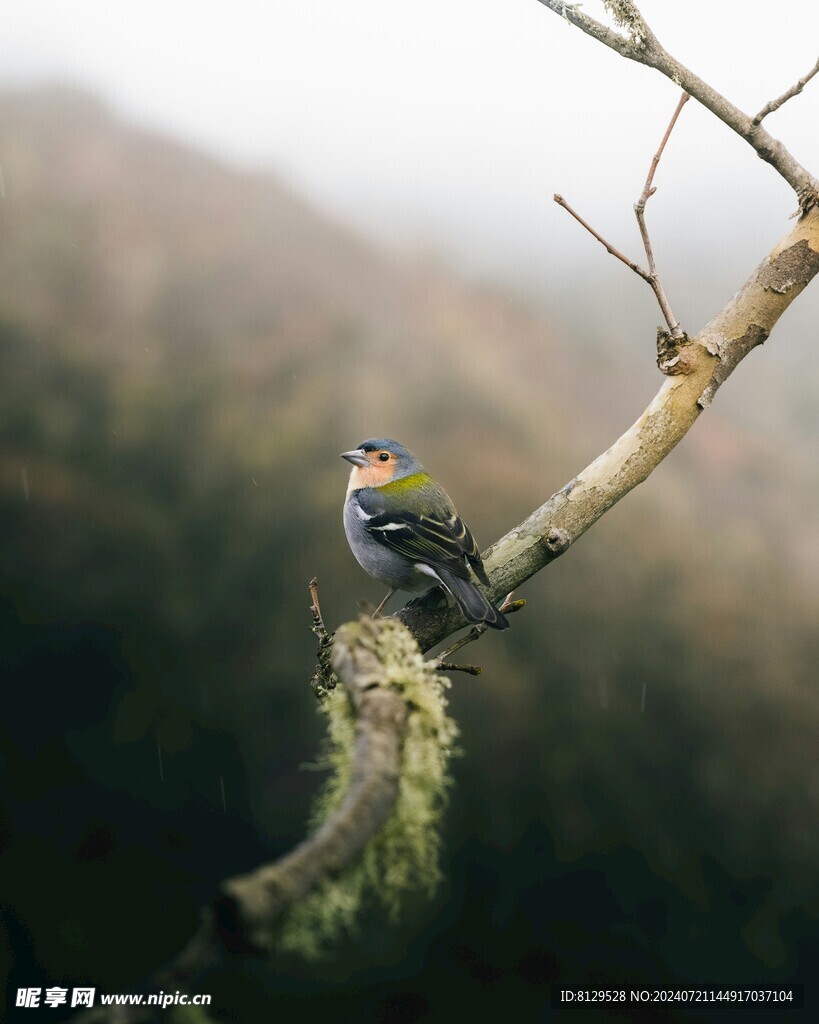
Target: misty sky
446	125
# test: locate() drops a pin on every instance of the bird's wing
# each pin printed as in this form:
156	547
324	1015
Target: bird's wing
428	539
473	554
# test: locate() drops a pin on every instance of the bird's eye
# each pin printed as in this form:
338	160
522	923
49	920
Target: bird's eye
384	456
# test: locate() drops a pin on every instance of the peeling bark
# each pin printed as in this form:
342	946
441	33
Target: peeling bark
794	267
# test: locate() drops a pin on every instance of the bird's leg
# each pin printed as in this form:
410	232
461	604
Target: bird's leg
377	611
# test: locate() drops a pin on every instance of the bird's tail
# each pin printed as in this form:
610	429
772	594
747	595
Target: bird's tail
472	602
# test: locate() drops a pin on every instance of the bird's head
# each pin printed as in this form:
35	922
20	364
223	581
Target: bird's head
379	461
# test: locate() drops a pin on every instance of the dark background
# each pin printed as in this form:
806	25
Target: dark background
185	349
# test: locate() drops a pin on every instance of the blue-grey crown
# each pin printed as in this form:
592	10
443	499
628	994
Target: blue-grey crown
406	462
377	443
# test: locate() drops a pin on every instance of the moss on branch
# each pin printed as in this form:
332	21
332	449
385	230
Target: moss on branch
375	826
402	858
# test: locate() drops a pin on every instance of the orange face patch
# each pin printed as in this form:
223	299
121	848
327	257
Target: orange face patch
378	473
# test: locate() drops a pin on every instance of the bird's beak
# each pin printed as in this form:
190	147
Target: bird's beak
357	457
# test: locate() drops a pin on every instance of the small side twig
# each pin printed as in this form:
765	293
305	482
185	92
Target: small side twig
318	626
324	678
607	245
440	664
794	90
650	276
653	277
451	666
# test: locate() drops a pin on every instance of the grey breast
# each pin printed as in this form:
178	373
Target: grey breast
373	556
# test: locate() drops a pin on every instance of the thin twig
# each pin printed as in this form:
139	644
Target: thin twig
508	607
474	634
650	276
450	666
640	211
607	245
794	90
648	190
324	678
315	608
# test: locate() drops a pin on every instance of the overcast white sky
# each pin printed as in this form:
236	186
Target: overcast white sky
446	124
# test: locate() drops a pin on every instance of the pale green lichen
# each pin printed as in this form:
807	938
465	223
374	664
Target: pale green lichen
626	16
403	858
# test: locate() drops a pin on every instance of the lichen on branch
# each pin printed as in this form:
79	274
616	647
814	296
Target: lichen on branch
402	858
376	824
626	16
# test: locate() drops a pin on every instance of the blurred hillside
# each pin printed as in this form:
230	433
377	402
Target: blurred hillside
185	348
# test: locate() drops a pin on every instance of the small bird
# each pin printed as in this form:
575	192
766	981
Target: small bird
403	529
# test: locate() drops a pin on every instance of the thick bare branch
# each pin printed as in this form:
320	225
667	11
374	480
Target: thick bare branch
641	45
794	90
710	357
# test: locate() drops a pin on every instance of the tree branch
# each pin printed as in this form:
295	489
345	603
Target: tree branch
507	607
607	245
710	358
640	213
667	359
241	919
642	45
324	679
794	90
368	657
251	903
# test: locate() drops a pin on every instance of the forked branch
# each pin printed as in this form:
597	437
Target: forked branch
640	212
650	276
606	245
640	44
